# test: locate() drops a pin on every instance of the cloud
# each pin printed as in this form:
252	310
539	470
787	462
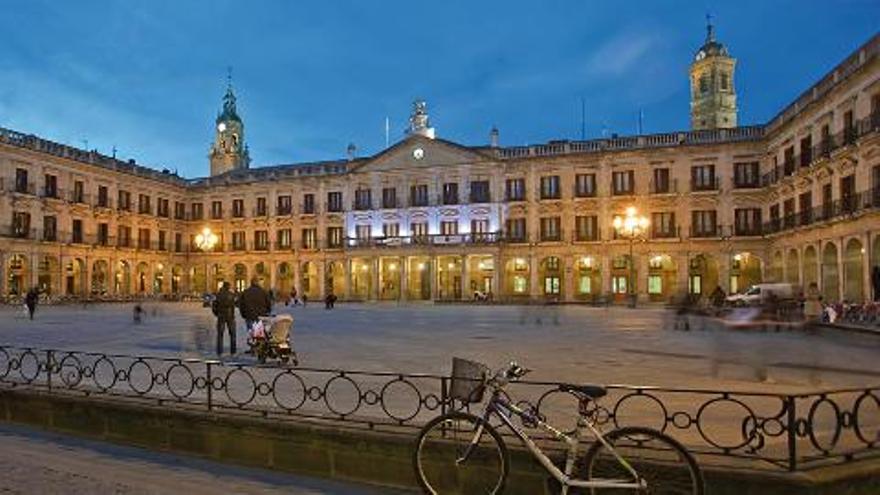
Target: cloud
621	54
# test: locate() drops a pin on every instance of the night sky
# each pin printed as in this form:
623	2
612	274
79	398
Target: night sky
312	77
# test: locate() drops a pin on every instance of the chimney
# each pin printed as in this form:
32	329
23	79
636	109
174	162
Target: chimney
493	137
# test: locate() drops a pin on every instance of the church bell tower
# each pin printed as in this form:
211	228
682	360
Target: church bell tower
229	152
713	97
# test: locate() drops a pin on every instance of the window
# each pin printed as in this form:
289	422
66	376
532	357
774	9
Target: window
124	200
103	234
179	210
79	192
586	228
21	181
389	197
788	212
703	178
724	80
655	284
262	209
516	229
310	238
551	229
663	225
520	284
261	240
618	284
418	195
806	150
745	175
143	239
704	83
334	201
103	199
584	284
216	210
144	206
285	205
847	193
50	189
450	193
363	199
238	208
178	242
50	228
238	240
197	211
391	230
480	230
703	223
660	182
309	204
449	227
788	160
825	144
334	237
480	192
550	187
418	230
283	238
161	240
162	208
623	182
826	201
123	236
585	185
805	207
551	286
77	231
849	131
363	232
747	221
515	189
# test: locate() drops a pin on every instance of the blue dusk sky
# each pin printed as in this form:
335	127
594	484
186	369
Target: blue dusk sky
313	76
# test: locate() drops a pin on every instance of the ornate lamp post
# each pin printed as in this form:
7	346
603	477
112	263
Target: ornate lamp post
206	240
631	226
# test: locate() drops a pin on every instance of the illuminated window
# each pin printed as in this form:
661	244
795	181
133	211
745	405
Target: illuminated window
618	285
519	284
655	284
551	285
584	284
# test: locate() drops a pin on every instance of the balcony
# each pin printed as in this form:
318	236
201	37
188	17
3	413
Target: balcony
747	231
710	184
592	236
420	240
260	212
480	198
663	187
18	232
391	203
25	188
79	197
839	208
283	210
551	236
708	232
674	232
307	209
333	207
448	199
362	205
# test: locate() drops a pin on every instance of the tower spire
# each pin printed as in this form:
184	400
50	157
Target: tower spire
710	29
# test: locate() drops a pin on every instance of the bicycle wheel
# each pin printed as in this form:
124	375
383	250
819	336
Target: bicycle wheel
666	466
446	463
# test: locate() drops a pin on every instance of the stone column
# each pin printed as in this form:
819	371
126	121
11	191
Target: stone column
404	278
322	283
534	290
4	276
465	278
682	272
568	275
87	290
841	278
33	270
374	284
725	270
819	278
801	269
273	274
432	272
297	277
498	277
867	288
346	277
606	272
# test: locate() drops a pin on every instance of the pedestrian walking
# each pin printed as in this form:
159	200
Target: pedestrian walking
305	299
223	308
254	303
329	300
137	314
293	297
30	300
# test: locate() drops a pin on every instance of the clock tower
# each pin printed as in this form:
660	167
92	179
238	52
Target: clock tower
229	152
713	97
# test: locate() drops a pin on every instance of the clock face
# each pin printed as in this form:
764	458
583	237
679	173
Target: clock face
418	153
221	127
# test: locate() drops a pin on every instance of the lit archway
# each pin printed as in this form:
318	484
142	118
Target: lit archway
550	272
830	273
516	277
745	271
792	263
810	267
122	278
17	275
588	278
853	270
662	277
100	277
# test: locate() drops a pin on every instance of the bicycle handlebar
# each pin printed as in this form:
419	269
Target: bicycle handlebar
512	372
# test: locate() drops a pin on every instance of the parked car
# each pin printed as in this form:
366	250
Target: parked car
759	293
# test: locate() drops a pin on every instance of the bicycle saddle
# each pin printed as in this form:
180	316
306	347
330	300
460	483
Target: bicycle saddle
591	391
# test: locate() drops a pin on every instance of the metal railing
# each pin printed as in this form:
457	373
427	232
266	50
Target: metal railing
839	208
770	430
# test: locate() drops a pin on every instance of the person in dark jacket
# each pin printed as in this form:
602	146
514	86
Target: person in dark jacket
224	309
254	303
30	300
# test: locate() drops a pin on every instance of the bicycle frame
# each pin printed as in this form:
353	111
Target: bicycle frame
504	409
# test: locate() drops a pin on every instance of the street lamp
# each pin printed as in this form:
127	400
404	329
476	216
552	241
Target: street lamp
206	240
631	226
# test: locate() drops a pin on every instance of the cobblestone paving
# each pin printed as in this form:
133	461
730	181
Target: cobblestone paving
48	464
579	344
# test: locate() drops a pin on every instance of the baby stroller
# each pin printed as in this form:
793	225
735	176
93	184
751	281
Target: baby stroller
269	338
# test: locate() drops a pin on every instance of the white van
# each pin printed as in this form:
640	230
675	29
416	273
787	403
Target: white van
759	293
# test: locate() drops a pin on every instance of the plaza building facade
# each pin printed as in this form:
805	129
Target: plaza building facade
796	199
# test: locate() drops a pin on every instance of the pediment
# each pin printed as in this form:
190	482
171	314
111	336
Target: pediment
422	152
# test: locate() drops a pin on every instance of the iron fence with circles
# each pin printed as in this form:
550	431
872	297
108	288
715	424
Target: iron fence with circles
791	432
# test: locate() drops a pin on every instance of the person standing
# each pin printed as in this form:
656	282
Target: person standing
812	304
224	309
30	300
254	303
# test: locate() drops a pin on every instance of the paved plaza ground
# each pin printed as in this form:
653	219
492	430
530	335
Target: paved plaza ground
567	343
46	463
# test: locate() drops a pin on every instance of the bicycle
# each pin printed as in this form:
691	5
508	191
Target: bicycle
459	452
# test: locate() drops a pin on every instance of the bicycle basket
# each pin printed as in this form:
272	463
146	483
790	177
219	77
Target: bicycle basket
468	380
